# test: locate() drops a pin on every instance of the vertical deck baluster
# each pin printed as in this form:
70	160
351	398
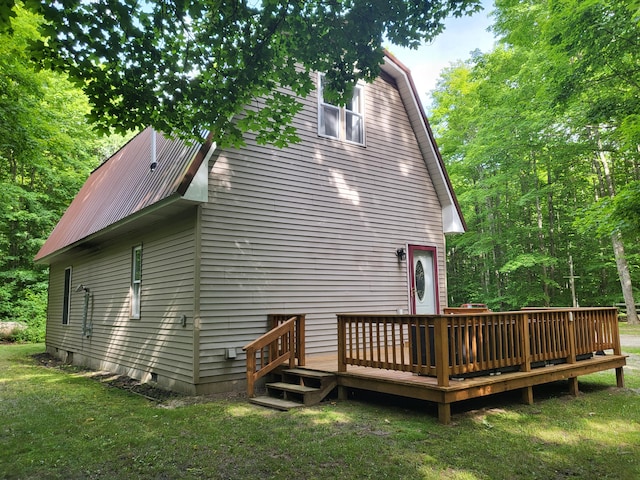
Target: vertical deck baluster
417	341
482	342
405	340
561	334
504	339
560	329
454	340
357	343
554	348
385	340
571	354
499	344
469	347
539	346
370	325
393	342
519	342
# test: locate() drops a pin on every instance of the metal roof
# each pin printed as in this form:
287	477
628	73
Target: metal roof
126	184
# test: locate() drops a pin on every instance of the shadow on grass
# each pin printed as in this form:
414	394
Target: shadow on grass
78	428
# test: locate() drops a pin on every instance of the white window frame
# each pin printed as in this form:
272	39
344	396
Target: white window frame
136	281
66	296
347	112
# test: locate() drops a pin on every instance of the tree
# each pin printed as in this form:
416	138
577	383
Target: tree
183	66
541	141
46	152
596	45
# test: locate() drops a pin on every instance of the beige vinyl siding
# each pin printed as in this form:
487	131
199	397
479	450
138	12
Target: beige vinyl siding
157	342
313	229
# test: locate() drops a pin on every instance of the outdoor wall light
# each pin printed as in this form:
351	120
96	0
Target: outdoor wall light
401	254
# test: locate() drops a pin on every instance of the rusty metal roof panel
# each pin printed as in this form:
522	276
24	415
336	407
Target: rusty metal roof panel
126	184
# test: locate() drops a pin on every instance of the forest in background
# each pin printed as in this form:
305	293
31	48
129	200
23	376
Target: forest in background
47	150
541	138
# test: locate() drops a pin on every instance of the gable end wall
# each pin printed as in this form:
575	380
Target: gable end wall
312	229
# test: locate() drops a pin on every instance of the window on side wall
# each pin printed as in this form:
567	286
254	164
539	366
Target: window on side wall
136	280
66	299
343	123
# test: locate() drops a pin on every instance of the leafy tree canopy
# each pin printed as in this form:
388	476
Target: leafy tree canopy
46	152
183	66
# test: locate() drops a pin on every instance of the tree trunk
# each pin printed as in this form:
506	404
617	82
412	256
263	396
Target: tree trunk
625	279
618	246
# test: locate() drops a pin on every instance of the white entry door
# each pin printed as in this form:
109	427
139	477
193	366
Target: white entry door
423	275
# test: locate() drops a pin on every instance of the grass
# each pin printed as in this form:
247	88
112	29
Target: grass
626	329
60	424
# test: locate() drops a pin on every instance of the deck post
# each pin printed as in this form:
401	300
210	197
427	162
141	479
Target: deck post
573	386
617	349
444	413
301	340
442	352
343	393
251	368
527	395
342	344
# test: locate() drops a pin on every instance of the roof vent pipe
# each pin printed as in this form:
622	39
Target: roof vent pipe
154	163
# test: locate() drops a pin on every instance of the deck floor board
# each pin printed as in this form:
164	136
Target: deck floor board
423	387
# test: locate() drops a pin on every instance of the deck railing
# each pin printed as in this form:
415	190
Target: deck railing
284	343
448	346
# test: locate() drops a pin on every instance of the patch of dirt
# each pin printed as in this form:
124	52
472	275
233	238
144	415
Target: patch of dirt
163	397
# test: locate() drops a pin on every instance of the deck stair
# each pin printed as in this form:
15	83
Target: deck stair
298	387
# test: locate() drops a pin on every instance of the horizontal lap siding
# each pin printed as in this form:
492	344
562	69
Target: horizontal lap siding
157	342
312	229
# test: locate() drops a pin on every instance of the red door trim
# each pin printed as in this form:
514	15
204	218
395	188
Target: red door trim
412	279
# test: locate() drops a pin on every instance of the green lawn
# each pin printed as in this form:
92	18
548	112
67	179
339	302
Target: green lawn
60	424
626	329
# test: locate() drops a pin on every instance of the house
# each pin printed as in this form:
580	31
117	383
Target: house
171	256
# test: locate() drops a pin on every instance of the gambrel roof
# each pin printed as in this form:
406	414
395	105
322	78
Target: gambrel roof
125	190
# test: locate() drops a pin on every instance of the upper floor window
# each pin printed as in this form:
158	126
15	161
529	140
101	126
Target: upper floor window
66	299
343	123
136	280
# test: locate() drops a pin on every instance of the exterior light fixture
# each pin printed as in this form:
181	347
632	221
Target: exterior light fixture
401	254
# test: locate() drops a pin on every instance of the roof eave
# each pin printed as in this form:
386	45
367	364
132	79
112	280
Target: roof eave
172	200
452	218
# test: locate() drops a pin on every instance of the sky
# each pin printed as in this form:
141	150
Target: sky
460	37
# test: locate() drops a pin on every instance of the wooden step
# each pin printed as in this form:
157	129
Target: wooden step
290	387
277	403
303	372
298	387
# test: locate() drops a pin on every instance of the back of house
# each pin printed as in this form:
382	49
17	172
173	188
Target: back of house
166	264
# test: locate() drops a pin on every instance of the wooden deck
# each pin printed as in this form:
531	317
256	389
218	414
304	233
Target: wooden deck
449	358
421	387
